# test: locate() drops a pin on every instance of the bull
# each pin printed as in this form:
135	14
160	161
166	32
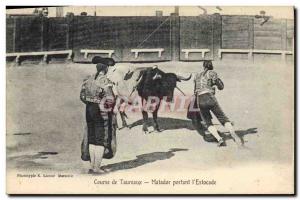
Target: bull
150	83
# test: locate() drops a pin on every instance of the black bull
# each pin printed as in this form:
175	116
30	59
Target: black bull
154	83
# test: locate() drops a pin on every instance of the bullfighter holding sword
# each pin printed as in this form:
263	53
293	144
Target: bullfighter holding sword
206	101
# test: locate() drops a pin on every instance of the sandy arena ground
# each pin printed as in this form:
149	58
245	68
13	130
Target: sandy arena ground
45	121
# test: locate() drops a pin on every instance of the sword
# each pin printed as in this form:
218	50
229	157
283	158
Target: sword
180	90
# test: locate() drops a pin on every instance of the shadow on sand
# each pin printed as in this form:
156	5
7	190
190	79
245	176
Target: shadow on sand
142	160
22	133
29	161
166	123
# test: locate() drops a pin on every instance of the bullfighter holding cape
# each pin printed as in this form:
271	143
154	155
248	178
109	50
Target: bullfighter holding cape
99	140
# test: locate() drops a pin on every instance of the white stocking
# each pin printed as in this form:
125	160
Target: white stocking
99	150
214	132
92	155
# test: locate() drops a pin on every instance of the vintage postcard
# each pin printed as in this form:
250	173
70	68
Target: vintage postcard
150	100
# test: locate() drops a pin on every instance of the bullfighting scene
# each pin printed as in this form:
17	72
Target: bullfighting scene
50	119
198	104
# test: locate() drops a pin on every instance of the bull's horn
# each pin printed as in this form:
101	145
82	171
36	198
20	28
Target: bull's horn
181	78
156	76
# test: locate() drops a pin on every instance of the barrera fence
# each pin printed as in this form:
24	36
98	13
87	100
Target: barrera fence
148	38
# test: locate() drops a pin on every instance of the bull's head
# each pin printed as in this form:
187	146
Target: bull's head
157	83
169	83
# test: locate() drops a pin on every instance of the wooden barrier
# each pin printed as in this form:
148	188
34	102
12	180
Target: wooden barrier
137	51
187	51
283	53
96	51
250	52
45	54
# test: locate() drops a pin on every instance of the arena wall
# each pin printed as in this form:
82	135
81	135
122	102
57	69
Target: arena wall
171	33
121	34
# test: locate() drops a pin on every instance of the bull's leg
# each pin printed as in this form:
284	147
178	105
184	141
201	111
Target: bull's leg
145	123
156	127
123	115
123	118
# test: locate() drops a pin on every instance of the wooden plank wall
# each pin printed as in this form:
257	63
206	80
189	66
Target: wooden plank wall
58	35
196	33
10	35
122	34
236	32
30	32
269	35
27	34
